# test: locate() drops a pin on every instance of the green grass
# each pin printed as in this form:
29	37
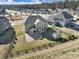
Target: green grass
7	34
19	29
22	45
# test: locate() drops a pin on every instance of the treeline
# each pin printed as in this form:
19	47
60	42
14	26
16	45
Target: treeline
66	4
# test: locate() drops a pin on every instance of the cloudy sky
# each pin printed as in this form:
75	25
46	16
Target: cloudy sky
26	1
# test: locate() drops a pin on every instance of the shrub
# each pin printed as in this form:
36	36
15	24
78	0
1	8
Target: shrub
16	39
17	53
39	48
71	38
50	44
14	42
33	49
74	37
45	46
13	47
26	51
11	55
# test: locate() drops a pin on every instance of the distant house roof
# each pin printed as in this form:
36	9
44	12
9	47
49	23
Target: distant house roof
2	10
63	15
77	8
46	17
67	15
59	9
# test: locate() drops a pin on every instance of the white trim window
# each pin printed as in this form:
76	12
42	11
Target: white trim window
33	31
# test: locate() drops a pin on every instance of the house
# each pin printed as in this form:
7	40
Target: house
61	18
70	11
35	25
6	31
57	10
77	11
4	24
2	10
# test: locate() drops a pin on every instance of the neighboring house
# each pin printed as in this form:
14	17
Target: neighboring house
61	18
50	11
6	31
70	11
77	11
2	10
35	25
57	10
4	24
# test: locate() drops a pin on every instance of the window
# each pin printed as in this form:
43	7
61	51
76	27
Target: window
37	30
34	31
42	29
33	26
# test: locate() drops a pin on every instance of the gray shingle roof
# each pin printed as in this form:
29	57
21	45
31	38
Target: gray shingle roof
63	15
66	15
4	24
32	19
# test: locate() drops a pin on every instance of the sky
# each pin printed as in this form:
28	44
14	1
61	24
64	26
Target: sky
27	1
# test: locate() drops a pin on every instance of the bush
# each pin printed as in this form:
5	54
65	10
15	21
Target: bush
71	38
50	44
26	51
16	39
14	42
45	46
33	49
17	53
39	48
65	40
74	37
13	47
11	55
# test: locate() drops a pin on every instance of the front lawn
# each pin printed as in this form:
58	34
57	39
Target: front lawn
22	45
19	29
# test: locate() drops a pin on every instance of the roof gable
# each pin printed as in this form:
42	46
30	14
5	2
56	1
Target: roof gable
67	15
33	19
37	21
63	15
